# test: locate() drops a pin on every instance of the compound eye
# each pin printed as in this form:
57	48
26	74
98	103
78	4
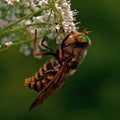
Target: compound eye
82	38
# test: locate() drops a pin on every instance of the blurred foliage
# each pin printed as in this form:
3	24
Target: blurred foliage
92	93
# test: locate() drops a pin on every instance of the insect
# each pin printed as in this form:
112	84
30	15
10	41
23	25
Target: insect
52	74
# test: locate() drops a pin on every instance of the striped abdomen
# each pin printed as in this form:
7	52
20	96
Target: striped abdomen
43	76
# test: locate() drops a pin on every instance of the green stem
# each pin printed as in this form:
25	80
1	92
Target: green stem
2	46
56	11
25	17
19	28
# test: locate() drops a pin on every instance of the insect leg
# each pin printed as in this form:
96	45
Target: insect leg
62	44
45	46
60	53
40	53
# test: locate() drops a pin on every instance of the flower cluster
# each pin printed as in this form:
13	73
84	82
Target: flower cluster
55	20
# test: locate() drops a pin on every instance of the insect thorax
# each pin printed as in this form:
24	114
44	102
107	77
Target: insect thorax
77	54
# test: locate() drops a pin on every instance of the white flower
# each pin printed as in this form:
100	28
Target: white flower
56	21
8	43
11	1
43	2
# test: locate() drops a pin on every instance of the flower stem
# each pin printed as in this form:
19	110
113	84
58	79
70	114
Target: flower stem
56	11
25	17
19	28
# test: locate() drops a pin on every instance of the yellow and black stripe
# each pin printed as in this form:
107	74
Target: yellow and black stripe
43	76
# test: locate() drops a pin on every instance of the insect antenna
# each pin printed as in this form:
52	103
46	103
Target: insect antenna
85	31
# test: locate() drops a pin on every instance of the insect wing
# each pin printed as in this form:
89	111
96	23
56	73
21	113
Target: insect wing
50	88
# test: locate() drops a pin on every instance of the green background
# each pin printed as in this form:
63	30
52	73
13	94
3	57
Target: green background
92	93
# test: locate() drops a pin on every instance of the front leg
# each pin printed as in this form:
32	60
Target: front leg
60	53
42	43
